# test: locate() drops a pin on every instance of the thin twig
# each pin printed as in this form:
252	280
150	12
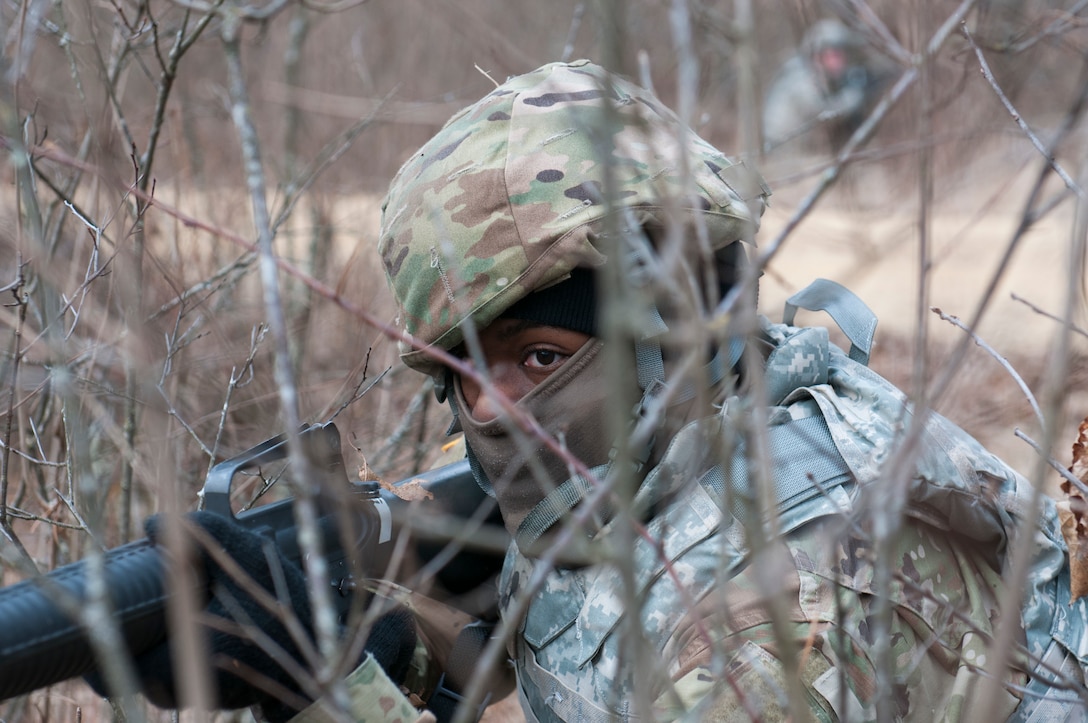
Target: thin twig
237	380
1055	464
325	624
1042	312
1024	389
1046	153
16	289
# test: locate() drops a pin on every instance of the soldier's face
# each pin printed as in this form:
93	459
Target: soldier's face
520	355
833	61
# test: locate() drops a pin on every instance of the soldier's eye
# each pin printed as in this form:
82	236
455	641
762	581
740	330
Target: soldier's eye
543	358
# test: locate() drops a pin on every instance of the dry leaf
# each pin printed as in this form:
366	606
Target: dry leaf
409	491
1072	513
366	474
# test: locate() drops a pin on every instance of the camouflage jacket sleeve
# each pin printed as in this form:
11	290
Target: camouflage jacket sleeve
373	698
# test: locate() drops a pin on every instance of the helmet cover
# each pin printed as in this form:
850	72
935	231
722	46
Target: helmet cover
510	196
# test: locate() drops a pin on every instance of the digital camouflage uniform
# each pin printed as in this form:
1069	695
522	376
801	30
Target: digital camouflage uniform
508	198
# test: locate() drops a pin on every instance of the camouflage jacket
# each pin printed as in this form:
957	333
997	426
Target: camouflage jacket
696	628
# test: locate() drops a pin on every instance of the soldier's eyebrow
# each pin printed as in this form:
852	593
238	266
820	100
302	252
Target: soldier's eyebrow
508	331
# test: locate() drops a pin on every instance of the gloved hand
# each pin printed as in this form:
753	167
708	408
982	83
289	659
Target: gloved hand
392	638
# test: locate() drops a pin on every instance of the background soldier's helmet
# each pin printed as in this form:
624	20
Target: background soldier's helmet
512	194
829	33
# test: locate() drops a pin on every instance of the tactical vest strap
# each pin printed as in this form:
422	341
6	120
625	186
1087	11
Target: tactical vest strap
1048	697
849	312
649	361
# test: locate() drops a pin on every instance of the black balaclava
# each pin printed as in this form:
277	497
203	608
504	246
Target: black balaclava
570	304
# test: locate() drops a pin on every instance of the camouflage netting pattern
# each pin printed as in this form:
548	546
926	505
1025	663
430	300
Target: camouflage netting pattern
512	194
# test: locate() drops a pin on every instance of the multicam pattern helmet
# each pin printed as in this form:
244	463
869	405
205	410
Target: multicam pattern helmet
510	195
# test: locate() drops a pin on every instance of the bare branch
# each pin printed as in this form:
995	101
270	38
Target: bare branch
1038	144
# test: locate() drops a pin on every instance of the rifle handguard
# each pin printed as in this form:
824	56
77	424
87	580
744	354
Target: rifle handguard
40	645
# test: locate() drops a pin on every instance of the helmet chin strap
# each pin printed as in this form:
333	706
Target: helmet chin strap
640	266
442	392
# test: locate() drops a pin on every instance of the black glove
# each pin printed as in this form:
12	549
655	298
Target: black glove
392	638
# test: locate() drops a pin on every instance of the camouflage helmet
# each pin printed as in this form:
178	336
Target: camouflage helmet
508	197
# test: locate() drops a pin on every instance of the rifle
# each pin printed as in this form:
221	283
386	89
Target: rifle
40	645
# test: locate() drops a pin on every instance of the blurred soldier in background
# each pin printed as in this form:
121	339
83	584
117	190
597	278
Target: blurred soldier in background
827	85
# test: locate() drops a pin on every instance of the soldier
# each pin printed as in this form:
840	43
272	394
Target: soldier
658	570
826	87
